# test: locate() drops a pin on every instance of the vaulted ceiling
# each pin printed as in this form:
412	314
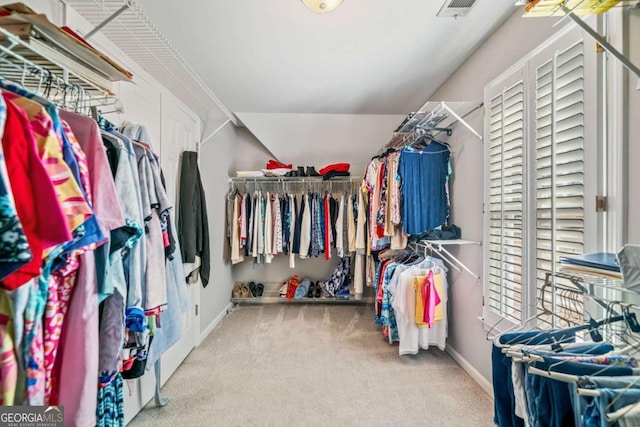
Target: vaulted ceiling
366	57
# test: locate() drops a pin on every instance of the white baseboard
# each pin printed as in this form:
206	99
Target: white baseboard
473	372
204	334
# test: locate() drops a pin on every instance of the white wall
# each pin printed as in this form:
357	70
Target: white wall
511	42
251	154
321	139
216	163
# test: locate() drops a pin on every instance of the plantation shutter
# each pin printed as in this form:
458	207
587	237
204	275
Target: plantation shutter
559	167
506	201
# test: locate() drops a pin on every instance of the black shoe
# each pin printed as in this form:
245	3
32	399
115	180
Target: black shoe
311	290
311	171
301	171
291	173
318	290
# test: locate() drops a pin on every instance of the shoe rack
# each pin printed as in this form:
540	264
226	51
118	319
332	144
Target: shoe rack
271	295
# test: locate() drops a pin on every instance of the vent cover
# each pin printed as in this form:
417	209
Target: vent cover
455	8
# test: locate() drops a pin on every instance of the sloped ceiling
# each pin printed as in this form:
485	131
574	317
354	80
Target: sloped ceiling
321	139
366	57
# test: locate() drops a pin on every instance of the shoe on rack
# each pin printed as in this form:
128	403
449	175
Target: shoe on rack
301	171
253	289
318	290
245	291
311	291
259	290
283	289
311	171
292	286
301	290
235	292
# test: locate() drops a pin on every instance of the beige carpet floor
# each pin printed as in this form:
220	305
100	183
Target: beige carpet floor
306	365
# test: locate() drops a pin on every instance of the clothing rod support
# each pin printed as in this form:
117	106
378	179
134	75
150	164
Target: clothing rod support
451	262
473	110
430	247
566	15
461	120
101	25
601	40
215	131
460	263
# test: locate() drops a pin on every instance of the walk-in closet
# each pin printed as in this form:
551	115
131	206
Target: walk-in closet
320	213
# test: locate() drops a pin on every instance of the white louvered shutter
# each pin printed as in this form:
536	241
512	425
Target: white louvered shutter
542	162
506	201
559	164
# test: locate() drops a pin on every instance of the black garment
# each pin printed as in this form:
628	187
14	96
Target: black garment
448	232
286	230
119	237
297	229
333	174
333	207
113	155
193	225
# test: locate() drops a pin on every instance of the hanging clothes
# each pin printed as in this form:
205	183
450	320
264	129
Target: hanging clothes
403	300
43	222
424	175
103	194
193	223
268	229
340	220
306	237
91	263
237	224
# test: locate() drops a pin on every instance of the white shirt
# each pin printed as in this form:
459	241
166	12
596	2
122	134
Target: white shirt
268	230
305	229
413	338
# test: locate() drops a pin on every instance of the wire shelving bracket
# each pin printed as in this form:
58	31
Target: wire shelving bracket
571	9
138	37
438	246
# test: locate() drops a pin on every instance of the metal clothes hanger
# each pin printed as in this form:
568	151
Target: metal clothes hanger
625	390
544	311
592	325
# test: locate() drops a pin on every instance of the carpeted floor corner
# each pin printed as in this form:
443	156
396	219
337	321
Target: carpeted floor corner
303	365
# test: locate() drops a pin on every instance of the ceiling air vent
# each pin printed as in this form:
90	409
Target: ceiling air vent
455	8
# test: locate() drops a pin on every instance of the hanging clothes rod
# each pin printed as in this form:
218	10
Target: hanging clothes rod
295	179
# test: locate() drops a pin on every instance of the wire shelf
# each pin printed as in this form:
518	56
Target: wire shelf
137	36
26	66
294	179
